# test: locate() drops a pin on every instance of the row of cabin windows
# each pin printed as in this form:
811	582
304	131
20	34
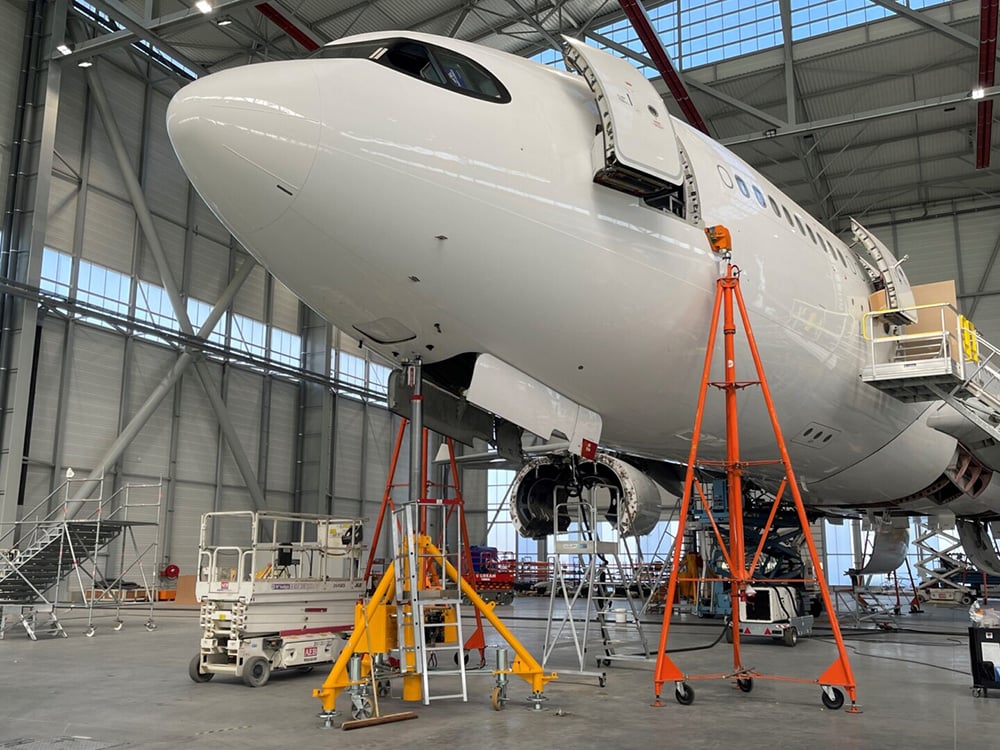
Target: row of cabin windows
780	211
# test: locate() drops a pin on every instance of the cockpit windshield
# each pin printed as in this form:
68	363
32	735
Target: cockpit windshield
436	65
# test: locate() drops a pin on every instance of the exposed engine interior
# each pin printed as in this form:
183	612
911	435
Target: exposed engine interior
546	488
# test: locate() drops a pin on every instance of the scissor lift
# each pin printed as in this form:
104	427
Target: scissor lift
277	591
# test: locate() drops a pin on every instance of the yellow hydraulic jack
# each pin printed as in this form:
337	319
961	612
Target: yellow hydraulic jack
374	637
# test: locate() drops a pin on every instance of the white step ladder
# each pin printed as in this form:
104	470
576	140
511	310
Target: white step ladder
428	601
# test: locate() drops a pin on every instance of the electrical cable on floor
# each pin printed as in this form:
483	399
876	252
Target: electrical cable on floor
905	661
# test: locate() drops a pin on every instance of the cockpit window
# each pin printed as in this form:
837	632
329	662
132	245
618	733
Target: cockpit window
436	65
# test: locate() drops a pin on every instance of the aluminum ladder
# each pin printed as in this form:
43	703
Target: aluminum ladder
428	600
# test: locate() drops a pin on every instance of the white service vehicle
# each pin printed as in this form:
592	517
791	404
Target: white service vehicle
277	591
774	612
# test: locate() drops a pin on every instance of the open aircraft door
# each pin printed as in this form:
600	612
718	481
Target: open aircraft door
636	151
898	293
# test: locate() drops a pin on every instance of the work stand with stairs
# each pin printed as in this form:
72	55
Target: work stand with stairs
41	552
411	627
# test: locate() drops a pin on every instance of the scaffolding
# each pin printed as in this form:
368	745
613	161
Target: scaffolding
72	540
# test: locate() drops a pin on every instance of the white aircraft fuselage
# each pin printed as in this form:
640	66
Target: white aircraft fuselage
475	224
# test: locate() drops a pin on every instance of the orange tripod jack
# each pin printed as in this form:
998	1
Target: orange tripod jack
742	575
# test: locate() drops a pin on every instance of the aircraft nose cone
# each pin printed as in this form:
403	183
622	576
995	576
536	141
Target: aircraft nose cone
247	138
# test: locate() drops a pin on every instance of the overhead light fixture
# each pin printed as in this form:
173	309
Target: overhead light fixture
204	6
978	93
85	64
224	21
64	49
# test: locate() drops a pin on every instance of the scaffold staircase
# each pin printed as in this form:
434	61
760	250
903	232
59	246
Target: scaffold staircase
939	358
52	552
430	602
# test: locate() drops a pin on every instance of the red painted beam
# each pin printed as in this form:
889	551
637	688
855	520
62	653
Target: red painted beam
987	76
636	13
289	26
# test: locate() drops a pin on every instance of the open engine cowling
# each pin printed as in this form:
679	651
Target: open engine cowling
546	487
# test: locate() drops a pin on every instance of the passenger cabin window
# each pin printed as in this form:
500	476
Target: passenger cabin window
798	221
759	196
774	206
811	235
436	65
788	216
742	186
724	175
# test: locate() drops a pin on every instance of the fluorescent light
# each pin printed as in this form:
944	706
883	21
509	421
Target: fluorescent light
224	21
63	49
85	64
978	93
204	6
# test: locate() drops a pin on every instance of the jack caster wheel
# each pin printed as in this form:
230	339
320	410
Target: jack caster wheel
256	671
684	694
835	702
118	625
195	673
150	626
465	656
90	631
497	698
602	681
384	688
791	637
362	709
745	685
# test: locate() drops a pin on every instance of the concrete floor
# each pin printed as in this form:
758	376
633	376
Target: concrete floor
131	689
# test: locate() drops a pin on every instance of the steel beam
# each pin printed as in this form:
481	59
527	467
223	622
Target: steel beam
148	408
924	19
636	14
177	21
145	219
704	88
987	73
858	117
126	18
33	242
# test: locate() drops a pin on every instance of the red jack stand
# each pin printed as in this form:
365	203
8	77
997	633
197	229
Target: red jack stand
741	575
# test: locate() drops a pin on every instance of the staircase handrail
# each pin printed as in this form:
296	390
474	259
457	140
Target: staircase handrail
943	334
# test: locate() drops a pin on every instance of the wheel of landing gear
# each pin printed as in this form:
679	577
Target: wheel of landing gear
256	671
195	673
791	637
745	685
835	702
685	694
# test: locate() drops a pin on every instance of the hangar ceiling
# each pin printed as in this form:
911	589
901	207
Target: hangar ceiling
869	119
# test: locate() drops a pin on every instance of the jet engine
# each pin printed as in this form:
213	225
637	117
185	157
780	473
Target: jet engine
547	491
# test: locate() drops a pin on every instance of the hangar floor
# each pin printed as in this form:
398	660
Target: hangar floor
130	689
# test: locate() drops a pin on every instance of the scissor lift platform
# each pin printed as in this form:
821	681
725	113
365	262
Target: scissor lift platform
277	591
